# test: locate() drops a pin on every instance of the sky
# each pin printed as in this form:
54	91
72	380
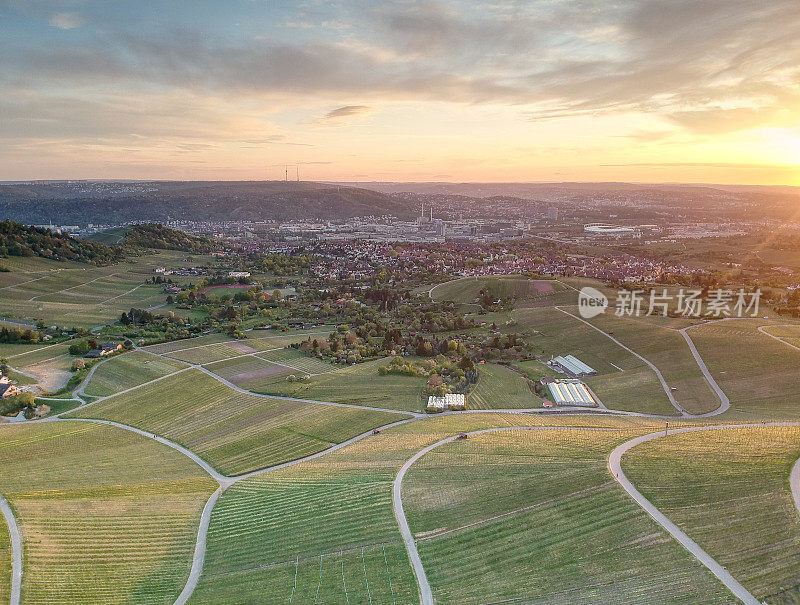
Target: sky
437	90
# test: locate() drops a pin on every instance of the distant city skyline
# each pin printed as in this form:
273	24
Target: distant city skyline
703	91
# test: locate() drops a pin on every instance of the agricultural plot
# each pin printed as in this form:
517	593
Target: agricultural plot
234	432
264	340
728	490
359	384
267	529
75	294
758	373
285	537
106	515
207	353
188	343
297	360
533	516
519	287
624	382
5	561
670	353
501	387
129	370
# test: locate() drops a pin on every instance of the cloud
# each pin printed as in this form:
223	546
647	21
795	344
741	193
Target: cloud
335	115
66	20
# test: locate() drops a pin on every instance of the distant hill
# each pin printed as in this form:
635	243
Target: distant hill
164	238
23	240
106	202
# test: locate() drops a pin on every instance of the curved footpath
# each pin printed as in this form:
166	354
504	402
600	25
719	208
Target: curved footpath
652	366
225	481
426	596
614	465
16	551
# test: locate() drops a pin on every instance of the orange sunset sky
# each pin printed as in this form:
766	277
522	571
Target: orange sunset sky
639	90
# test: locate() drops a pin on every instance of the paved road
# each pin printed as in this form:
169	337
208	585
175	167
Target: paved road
199	557
652	366
763	330
426	596
724	402
794	483
614	465
16	551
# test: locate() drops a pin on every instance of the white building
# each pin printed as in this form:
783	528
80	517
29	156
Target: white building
451	401
571	392
572	366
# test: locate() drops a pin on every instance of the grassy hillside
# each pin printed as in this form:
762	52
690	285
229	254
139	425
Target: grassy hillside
534	516
234	432
758	373
106	515
25	241
728	490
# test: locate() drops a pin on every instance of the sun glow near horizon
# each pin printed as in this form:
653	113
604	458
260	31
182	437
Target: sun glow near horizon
402	91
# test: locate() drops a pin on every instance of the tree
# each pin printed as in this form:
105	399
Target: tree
79	348
93	344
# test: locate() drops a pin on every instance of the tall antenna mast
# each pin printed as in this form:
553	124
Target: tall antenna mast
286	172
297	168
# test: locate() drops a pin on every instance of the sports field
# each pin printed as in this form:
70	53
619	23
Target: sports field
533	516
129	370
106	515
728	490
759	374
233	431
624	382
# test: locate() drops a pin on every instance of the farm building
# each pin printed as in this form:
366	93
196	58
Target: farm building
7	389
571	366
571	392
451	401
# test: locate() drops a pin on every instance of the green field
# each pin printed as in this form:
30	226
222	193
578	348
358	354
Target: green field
501	387
291	538
266	529
129	370
359	384
467	289
106	515
299	361
670	353
206	354
234	432
74	294
758	373
5	561
728	490
624	382
534	516
188	343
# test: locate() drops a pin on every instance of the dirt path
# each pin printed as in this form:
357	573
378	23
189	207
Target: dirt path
614	465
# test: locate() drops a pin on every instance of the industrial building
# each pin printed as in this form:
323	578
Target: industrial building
571	366
451	401
571	392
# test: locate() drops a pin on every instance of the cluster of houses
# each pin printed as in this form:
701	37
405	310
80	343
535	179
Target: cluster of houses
8	388
107	348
